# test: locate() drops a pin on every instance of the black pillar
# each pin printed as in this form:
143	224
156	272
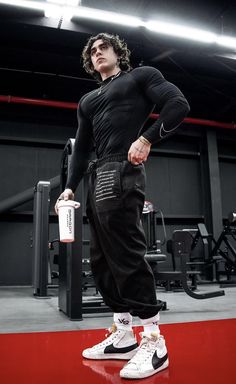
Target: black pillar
214	182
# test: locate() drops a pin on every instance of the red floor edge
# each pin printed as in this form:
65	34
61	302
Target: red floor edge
200	353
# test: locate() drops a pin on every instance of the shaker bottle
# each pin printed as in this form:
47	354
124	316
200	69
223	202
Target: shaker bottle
66	213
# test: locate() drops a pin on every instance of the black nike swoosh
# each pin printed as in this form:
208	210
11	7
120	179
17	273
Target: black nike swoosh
112	349
158	361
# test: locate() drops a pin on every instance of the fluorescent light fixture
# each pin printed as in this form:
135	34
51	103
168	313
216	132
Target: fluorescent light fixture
26	4
69	8
226	41
61	8
110	17
181	31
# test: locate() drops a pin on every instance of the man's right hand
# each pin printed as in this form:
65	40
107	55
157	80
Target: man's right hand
66	195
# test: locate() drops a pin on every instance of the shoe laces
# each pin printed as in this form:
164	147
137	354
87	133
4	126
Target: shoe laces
107	340
111	330
146	348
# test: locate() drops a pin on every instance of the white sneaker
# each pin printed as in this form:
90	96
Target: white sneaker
150	358
119	344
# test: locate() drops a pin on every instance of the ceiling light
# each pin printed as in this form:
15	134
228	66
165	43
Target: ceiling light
109	17
181	31
69	8
61	8
26	4
226	41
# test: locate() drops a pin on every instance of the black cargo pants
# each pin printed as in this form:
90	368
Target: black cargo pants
114	207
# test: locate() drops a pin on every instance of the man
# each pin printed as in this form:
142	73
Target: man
112	118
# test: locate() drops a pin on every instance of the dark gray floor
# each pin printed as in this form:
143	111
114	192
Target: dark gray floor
20	311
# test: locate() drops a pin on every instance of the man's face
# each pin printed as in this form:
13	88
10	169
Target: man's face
103	56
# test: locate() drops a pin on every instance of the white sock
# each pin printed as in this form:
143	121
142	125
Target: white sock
151	325
123	321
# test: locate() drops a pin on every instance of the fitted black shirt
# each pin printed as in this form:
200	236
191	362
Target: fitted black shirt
112	117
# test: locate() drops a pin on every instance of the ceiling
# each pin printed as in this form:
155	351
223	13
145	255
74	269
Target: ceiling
40	57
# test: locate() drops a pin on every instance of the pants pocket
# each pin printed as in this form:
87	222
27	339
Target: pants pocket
134	177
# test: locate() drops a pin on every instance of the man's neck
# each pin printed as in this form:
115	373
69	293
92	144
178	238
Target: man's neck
105	75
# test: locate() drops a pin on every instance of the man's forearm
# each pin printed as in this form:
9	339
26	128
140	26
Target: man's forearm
78	167
169	120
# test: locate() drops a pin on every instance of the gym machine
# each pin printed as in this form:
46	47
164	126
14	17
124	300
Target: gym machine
154	254
70	266
70	277
71	299
154	245
227	239
220	251
40	238
42	273
41	196
182	246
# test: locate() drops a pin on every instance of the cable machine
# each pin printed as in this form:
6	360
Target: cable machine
70	254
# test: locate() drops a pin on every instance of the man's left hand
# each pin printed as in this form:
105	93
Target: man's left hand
138	152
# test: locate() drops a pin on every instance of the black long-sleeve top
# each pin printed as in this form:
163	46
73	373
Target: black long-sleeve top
112	116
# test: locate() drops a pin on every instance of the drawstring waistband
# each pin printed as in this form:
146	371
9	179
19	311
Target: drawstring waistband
94	164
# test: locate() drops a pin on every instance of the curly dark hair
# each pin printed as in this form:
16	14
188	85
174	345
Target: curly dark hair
119	46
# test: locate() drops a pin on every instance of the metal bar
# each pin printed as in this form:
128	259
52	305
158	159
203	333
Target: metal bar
70	105
217	245
38	102
40	238
23	197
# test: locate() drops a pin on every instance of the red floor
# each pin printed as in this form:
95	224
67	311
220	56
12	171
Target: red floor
200	353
